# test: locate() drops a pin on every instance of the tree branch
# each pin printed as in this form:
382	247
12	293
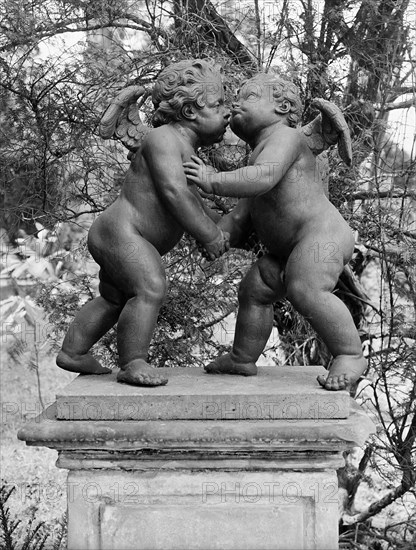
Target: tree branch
224	36
401	105
78	25
364	195
376	507
403	453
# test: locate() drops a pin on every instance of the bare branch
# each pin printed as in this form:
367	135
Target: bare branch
376	507
403	452
364	195
79	25
401	105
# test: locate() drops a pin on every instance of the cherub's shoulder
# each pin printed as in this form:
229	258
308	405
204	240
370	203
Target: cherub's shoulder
285	135
160	132
162	137
287	131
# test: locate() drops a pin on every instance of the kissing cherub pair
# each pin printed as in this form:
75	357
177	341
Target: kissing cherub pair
282	200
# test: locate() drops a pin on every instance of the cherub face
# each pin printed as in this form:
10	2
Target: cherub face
254	109
212	120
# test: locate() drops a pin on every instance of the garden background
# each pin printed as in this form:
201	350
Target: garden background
61	62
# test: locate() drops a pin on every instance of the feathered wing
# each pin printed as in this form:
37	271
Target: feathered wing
121	120
329	128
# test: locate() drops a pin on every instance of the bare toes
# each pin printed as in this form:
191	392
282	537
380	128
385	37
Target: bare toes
344	382
322	380
332	383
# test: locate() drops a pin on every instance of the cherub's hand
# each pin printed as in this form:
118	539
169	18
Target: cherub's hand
217	247
198	172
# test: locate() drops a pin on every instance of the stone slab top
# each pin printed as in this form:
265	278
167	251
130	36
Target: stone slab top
191	394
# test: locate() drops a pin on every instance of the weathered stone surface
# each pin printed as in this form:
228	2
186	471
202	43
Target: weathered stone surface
220	481
276	393
201	510
260	435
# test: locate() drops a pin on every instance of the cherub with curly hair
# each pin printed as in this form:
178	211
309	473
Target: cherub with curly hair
308	241
155	207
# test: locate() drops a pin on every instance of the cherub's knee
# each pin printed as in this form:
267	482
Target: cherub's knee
154	290
260	286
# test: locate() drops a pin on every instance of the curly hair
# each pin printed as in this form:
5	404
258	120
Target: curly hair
181	84
282	90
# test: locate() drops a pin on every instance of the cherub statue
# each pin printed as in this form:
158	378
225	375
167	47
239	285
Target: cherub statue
155	207
307	239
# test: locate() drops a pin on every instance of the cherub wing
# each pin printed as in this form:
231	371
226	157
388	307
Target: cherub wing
329	128
121	119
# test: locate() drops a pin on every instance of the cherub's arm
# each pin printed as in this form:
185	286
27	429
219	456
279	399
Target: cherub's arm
215	216
164	160
248	181
238	224
211	213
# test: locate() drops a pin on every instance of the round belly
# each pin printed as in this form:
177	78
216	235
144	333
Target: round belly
121	224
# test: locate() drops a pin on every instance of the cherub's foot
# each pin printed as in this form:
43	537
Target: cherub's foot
84	364
140	373
226	365
344	372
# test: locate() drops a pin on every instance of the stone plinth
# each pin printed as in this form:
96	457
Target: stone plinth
206	462
190	395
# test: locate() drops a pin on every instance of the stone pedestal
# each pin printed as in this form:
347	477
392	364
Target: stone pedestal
206	462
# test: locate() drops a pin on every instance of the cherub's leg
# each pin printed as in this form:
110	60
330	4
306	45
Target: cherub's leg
310	280
93	320
259	289
144	282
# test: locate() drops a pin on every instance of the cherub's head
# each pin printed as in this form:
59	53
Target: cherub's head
180	85
261	100
284	91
